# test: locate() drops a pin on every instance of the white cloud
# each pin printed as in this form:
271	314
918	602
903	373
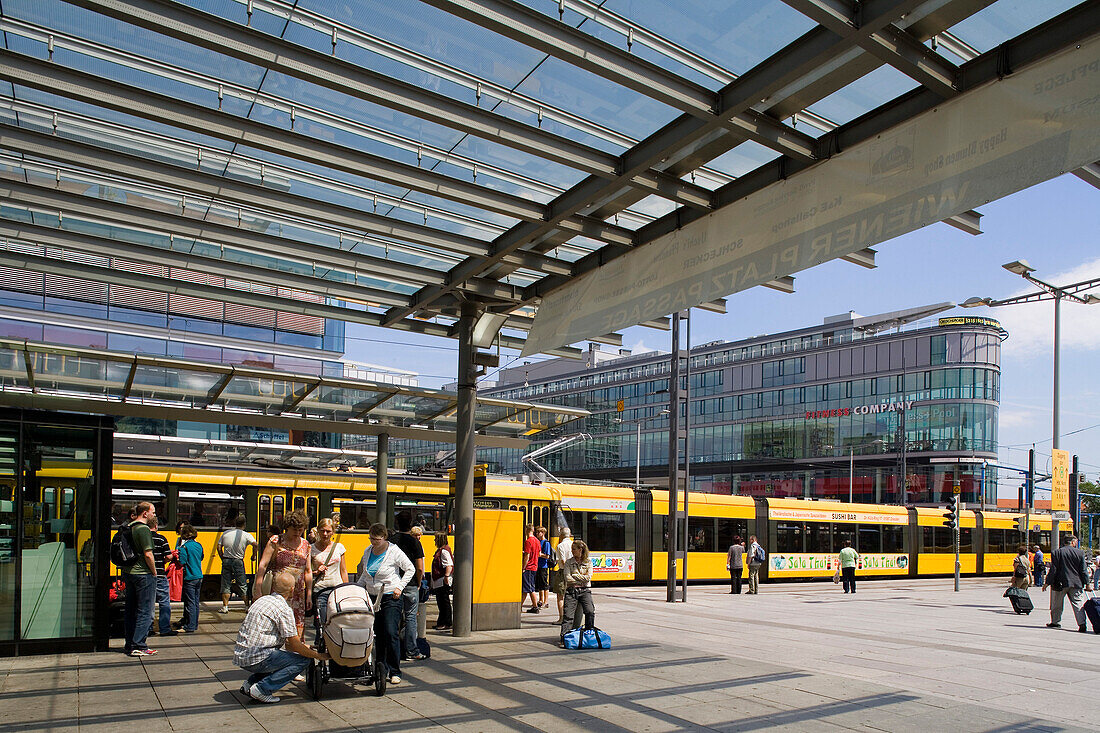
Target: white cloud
639	347
1031	325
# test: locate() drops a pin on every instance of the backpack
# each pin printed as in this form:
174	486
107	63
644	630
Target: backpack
758	555
122	548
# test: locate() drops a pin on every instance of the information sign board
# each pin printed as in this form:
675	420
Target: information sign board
1059	478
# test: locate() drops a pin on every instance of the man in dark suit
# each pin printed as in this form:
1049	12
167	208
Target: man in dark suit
1067	576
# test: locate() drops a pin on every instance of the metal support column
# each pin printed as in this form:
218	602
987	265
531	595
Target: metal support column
673	458
381	474
1055	539
687	457
464	474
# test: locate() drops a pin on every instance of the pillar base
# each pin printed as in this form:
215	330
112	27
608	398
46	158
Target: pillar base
495	616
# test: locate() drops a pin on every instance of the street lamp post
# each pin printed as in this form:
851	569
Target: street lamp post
852	464
638	452
1046	292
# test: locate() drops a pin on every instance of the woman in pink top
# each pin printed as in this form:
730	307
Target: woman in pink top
289	552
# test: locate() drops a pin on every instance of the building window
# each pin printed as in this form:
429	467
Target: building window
939	349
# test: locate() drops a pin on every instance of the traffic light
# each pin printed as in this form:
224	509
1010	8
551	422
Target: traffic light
951	516
1021	525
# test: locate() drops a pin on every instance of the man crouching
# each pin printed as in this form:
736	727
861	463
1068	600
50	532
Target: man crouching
268	626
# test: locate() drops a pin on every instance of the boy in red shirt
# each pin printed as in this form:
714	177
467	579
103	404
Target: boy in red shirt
531	549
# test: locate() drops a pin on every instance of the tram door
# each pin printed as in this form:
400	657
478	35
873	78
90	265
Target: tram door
305	501
540	515
270	509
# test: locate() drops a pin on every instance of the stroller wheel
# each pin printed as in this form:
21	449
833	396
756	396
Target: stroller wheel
315	679
381	676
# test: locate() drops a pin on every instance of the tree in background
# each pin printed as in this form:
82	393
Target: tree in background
1090	505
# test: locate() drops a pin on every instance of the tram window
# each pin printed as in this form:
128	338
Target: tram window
1043	540
277	504
606	532
311	510
574	521
432	519
788	537
893	538
265	512
819	537
701	534
355	516
1013	539
995	541
299	503
939	539
660	533
870	538
842	532
966	541
122	504
728	529
209	510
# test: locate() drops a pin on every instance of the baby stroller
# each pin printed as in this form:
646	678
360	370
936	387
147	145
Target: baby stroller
348	637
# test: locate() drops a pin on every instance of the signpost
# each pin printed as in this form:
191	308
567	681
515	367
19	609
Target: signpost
1059	490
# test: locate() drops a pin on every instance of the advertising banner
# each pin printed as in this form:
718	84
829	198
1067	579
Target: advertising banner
826	564
612	565
1059	480
826	515
1000	138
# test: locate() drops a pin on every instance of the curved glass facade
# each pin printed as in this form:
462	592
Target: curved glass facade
786	415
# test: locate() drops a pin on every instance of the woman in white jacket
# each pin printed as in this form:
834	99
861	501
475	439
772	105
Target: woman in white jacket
385	567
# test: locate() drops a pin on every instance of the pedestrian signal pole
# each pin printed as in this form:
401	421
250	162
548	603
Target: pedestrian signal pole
951	521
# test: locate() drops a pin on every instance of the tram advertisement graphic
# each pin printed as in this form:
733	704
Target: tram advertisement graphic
608	564
826	564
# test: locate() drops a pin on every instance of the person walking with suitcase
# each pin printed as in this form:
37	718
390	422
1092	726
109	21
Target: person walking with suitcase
1021	570
1067	579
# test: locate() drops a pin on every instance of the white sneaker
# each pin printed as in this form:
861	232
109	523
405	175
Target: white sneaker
395	679
256	694
300	678
223	609
244	689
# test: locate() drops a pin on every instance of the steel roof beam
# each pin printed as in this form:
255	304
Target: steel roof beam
146	254
891	44
220	188
968	221
49	265
532	28
1033	45
170	224
1089	174
214	33
49	77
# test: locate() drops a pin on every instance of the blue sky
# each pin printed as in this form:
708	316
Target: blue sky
1053	225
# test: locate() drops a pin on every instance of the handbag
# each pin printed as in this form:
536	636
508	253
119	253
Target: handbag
836	575
592	638
174	571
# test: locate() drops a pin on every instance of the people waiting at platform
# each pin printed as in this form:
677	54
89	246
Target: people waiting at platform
531	549
141	582
848	558
542	574
425	592
386	569
162	555
268	644
578	589
231	548
289	552
410	600
735	564
443	566
562	554
1039	566
191	555
756	559
330	567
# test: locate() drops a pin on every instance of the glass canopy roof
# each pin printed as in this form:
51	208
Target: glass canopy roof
392	160
34	374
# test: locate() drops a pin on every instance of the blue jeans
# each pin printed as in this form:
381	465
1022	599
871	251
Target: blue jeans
273	673
191	603
164	605
410	603
320	606
141	592
387	642
233	572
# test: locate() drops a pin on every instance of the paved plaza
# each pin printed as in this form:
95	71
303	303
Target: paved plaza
899	656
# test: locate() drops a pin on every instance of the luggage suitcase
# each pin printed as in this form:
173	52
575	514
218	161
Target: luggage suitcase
1092	612
1021	601
586	639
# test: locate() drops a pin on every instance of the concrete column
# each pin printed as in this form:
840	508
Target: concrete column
381	480
464	474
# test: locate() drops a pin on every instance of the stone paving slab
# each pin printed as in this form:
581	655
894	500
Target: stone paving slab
900	655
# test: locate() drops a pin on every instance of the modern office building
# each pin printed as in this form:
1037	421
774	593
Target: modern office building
841	409
59	309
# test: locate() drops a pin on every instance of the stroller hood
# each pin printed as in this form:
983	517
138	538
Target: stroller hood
349	631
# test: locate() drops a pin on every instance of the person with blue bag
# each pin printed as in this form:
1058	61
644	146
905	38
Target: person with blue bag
578	592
